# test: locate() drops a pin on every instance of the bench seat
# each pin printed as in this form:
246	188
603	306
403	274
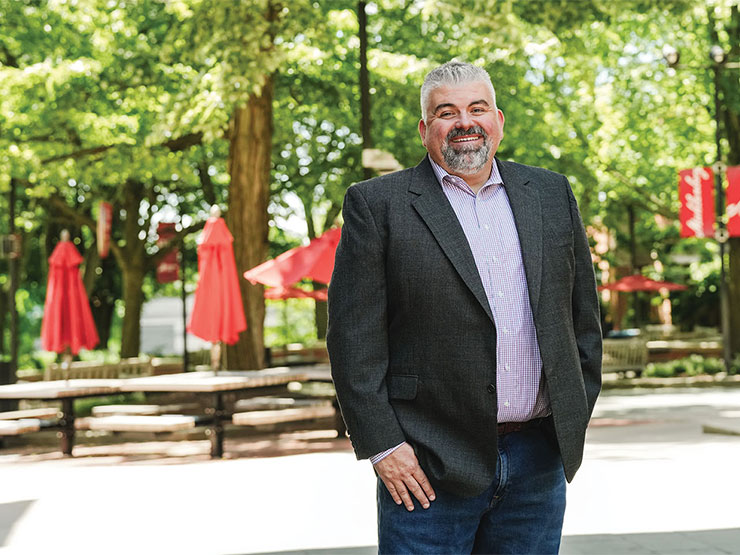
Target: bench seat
275	403
139	410
137	423
41	413
18	427
263	417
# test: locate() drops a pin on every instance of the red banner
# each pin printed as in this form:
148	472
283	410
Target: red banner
733	201
105	219
696	191
168	269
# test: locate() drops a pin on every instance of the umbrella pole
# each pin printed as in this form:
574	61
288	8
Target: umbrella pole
216	356
66	362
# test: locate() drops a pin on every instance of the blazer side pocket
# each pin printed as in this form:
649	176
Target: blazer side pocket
402	386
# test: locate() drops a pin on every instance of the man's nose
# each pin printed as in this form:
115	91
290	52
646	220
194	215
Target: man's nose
464	121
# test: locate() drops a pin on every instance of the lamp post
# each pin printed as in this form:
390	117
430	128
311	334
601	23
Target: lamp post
718	59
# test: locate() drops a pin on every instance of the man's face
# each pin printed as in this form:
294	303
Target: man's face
463	128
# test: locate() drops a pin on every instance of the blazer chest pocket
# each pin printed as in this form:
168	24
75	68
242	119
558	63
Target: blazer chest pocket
402	386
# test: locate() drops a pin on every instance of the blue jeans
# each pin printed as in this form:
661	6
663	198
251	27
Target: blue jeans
521	511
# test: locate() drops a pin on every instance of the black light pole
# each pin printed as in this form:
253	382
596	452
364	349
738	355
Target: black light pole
718	58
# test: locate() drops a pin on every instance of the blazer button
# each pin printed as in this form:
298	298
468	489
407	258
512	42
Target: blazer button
491	388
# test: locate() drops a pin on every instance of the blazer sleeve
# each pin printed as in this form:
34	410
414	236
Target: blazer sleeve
586	320
357	336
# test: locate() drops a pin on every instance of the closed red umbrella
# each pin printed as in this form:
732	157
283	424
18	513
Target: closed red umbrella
278	293
218	313
314	261
641	283
68	324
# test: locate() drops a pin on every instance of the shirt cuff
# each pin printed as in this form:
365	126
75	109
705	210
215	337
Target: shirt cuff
380	456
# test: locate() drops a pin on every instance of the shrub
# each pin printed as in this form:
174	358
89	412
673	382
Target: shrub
693	365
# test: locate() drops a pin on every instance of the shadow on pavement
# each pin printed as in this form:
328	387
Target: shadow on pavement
700	542
359	550
9	514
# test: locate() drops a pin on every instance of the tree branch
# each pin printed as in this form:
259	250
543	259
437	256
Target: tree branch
8	58
166	248
180	143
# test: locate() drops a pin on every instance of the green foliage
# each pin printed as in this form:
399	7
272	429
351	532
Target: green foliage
290	321
117	100
694	365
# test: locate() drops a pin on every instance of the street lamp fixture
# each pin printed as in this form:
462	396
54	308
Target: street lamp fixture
719	62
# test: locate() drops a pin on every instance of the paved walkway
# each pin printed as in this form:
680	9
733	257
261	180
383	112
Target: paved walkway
652	482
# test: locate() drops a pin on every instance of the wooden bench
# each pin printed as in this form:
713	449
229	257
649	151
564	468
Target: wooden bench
274	403
141	410
43	413
135	367
624	355
264	417
136	423
18	427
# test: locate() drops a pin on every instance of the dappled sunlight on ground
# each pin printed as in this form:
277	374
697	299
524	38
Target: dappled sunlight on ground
118	449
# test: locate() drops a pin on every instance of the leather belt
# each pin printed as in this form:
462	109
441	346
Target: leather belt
509	427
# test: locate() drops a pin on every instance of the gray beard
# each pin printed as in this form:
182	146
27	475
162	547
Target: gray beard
466	159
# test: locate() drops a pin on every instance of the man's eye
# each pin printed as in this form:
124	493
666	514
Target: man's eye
446	114
477	110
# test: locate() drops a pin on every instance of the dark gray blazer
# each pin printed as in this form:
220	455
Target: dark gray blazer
412	339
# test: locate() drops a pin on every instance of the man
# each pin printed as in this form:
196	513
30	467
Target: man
464	335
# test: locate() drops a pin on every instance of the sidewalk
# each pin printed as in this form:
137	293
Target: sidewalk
651	482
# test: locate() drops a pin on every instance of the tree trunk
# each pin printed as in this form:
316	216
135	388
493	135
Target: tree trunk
133	298
250	147
132	260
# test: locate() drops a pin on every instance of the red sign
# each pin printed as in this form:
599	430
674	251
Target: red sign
105	219
168	269
733	201
696	192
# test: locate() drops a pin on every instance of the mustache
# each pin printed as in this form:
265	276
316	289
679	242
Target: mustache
456	132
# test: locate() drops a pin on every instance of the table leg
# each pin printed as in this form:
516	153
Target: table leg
216	431
67	423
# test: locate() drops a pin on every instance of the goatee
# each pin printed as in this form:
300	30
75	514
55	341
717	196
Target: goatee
466	159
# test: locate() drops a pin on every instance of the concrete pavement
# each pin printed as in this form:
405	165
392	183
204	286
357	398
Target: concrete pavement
652	482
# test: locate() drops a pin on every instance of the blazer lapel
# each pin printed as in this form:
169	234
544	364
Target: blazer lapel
434	208
524	200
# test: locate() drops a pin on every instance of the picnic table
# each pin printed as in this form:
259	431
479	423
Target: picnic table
252	382
65	391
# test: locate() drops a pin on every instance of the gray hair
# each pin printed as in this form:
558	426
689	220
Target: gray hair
453	73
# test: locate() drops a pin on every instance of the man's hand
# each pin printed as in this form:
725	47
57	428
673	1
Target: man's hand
402	475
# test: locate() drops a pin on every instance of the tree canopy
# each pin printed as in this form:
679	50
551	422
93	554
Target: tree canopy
138	103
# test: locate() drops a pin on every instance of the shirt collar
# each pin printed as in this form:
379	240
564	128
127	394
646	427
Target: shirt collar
441	174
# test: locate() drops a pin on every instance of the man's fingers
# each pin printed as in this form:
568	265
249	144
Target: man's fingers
403	477
415	488
400	494
394	493
421	478
407	501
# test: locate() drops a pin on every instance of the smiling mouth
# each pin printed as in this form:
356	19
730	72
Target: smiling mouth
466	139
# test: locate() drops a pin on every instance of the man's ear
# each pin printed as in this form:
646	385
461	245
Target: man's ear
423	132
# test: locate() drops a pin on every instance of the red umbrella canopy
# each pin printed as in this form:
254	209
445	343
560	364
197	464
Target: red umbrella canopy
218	313
68	321
314	261
277	293
641	283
